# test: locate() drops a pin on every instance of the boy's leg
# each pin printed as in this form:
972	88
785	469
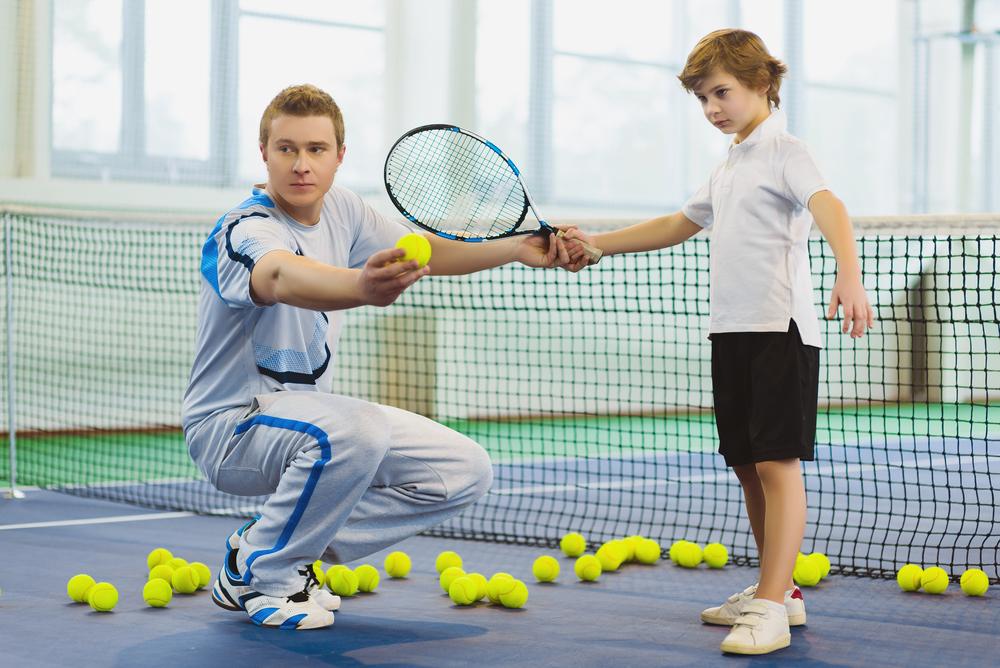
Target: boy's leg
753	496
784	525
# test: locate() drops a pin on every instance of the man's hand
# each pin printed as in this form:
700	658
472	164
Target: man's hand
543	251
383	278
858	314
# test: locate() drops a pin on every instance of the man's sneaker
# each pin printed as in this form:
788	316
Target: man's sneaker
726	614
761	628
297	611
317	593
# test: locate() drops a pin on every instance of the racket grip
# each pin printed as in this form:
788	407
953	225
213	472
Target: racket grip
592	252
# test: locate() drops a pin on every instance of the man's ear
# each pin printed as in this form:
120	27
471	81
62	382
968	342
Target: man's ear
340	155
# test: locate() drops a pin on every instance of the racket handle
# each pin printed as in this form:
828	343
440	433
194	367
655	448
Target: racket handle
592	252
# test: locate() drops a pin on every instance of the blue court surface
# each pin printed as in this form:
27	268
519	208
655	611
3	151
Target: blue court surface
639	616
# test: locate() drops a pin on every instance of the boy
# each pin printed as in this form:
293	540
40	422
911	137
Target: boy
346	477
764	332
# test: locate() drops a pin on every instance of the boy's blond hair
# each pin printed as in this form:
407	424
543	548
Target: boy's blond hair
742	54
302	100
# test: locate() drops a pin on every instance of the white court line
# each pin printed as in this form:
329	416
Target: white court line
96	520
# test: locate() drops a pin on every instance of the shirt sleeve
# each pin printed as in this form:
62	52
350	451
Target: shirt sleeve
800	175
373	232
240	245
698	209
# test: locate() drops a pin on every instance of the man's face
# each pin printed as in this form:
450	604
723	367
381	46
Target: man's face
302	158
729	105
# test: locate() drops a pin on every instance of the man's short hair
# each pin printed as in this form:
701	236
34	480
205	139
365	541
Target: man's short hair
740	53
302	100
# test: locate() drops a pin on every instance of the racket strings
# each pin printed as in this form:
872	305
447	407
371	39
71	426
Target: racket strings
455	183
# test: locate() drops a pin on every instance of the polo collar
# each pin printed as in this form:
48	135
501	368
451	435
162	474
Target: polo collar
773	125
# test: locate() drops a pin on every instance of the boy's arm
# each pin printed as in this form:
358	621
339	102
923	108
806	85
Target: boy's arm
449	257
832	220
284	277
649	235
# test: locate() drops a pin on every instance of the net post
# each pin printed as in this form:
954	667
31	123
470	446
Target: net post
13	492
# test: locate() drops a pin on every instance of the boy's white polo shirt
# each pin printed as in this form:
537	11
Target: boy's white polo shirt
755	206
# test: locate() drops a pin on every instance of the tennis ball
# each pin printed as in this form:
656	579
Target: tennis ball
648	551
368	577
157	593
205	575
822	561
343	582
176	562
78	586
417	248
463	590
934	580
908	577
689	555
631	543
545	569
500	582
481	584
572	545
448	576
447	559
185	580
328	578
974	582
611	557
318	570
103	597
715	555
162	572
397	564
672	553
587	568
516	597
806	573
158	556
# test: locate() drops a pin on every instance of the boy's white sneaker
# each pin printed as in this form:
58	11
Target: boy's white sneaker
760	629
726	614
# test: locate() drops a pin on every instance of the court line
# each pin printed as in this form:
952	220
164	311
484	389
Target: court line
96	520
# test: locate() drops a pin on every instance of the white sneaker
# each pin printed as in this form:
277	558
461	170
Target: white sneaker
761	629
726	614
317	593
297	611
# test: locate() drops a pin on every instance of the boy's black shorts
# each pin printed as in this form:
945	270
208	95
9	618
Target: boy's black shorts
766	387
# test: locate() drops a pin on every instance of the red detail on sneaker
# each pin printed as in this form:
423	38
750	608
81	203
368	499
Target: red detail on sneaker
797	593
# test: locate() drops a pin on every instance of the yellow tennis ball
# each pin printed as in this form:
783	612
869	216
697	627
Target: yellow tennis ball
806	573
447	559
689	555
176	562
500	582
545	569
822	562
158	556
328	578
934	580
318	570
368	577
416	246
631	543
157	593
974	582
611	555
908	577
481	584
103	597
516	597
204	574
78	586
672	553
448	576
648	551
572	545
185	580
587	568
463	590
397	564
162	572
716	555
343	582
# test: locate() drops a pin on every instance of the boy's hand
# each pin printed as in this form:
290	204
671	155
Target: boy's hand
578	258
384	278
543	251
858	313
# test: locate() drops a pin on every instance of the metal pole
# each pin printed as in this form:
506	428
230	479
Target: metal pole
13	492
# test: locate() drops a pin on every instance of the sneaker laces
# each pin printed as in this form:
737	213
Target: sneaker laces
312	581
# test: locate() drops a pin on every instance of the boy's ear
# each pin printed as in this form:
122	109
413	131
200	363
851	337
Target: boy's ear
263	152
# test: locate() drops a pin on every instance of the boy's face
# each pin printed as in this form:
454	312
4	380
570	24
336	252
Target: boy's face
729	105
302	158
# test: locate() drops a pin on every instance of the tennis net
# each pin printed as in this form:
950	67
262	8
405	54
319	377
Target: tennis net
592	392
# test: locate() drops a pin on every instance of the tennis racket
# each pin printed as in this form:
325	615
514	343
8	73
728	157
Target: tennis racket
456	184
